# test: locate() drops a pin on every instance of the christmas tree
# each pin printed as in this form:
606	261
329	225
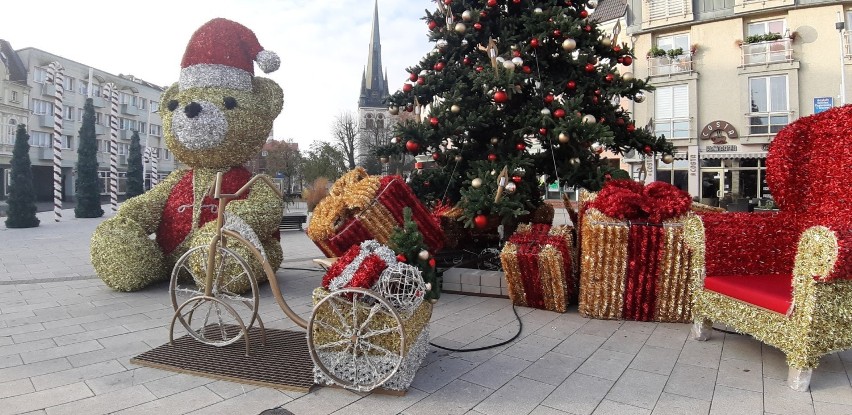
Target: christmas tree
408	244
88	192
135	179
22	207
532	87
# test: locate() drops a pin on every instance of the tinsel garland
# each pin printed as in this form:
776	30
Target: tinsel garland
631	200
360	267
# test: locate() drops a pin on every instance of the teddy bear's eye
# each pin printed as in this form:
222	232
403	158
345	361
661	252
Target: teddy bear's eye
173	104
230	103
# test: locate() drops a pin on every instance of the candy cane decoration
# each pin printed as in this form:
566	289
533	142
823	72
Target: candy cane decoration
155	178
111	93
54	73
146	157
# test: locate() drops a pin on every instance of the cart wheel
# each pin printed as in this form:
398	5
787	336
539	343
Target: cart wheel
187	284
356	339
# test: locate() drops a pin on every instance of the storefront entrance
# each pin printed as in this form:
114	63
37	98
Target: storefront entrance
715	186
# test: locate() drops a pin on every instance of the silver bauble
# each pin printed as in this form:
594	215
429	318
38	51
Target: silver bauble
423	255
574	161
569	44
509	65
459	158
441	44
460	27
517	61
476	183
394	140
592	4
538	10
467	15
640	97
545	111
589	119
511	187
495	140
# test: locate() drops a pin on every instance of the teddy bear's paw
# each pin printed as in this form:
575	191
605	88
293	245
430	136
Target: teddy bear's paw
124	257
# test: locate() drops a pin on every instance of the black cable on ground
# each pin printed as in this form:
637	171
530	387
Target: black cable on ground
491	346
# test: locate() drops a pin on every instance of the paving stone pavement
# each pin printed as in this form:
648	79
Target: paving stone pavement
66	340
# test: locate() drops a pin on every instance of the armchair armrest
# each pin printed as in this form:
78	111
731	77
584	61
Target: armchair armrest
824	254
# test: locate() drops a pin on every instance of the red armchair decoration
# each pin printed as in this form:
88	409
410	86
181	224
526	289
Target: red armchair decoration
785	277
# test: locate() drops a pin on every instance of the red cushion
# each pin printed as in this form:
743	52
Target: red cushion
772	292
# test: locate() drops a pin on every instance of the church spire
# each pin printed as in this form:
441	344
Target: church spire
374	85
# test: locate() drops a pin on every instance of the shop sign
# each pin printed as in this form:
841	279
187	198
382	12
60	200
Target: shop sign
823	104
720	149
718	132
692	156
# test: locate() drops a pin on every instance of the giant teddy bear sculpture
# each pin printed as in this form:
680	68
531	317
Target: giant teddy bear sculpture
215	119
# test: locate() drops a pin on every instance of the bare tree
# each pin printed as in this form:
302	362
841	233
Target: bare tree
345	131
284	158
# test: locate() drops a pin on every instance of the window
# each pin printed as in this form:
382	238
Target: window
142	103
671	111
11	131
68	113
123	98
167	155
103	146
769	111
80	112
661	9
39	75
123	148
676	173
141	125
155	106
67	142
41	139
14	97
103	175
68	83
155	130
671	42
370	123
97	91
42	107
380	121
126	124
766	27
99	118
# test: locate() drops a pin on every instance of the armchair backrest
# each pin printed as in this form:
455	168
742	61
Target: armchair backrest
809	166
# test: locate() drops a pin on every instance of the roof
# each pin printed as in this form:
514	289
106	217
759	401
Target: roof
609	10
14	64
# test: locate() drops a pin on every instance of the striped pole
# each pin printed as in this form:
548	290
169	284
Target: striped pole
155	178
111	92
146	157
54	71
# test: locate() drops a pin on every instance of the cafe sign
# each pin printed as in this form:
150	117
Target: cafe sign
718	132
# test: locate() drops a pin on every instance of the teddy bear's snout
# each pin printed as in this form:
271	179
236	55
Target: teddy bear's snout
192	110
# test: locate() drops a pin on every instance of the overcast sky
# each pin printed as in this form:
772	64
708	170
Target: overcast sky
323	45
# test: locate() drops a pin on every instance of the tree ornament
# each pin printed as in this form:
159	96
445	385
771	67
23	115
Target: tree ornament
476	183
439	66
627	61
534	43
584	14
517	179
526	69
480	221
631	127
639	97
667	158
394	140
393	110
412	146
569	44
501	97
436	156
542	131
466	61
590	67
538	10
455	109
559	113
418	165
574	161
517	60
479	68
432	25
545	111
520	146
597	148
587	28
648	149
460	27
467	15
564	138
401	258
477	26
383	159
434	121
492	3
432	262
412	77
609	77
409	108
423	255
492	157
606	41
459	158
589	119
549	98
509	65
421	81
448	2
511	188
442	44
592	4
571	85
495	140
627	76
406	87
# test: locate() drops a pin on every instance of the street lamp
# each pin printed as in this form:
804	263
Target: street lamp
840	25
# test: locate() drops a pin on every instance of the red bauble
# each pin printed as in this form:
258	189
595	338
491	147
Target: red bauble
549	98
648	149
559	113
517	179
432	25
426	184
477	26
412	77
409	108
557	33
598	92
434	121
501	97
584	14
542	131
421	80
448	2
571	85
534	42
587	28
466	60
516	53
520	146
406	87
480	221
595	100
607	176
620	60
418	165
602	120
401	258
619	121
590	68
412	146
516	1
436	156
627	61
432	262
526	69
492	3
631	128
439	66
479	68
492	157
609	77
616	48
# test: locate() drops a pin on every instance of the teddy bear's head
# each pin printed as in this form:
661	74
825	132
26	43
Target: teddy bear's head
219	114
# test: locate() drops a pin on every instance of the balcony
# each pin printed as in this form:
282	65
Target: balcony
99	102
773	51
129	109
45	121
100	129
48	89
767	123
665	65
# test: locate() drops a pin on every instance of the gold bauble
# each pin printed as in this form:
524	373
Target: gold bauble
668	158
495	140
459	158
393	110
569	44
455	109
423	255
564	138
574	161
606	41
467	15
460	27
627	76
476	183
383	159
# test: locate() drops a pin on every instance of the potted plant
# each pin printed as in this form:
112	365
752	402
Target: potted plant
656	52
674	53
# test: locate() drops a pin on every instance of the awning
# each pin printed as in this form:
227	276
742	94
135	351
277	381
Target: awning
749	155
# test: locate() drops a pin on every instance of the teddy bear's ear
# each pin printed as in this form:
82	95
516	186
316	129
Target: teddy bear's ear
169	95
269	95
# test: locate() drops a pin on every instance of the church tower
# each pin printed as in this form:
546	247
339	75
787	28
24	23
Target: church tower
373	115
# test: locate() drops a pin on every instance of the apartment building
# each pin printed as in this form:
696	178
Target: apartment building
729	74
27	97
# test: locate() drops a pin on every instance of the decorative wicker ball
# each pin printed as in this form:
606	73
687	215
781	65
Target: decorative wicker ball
402	286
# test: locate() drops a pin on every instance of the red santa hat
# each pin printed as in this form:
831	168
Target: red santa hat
221	53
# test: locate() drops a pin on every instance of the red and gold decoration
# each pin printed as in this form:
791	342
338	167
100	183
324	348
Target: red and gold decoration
633	253
539	265
361	207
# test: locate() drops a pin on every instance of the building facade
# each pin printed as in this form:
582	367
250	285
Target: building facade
729	74
28	98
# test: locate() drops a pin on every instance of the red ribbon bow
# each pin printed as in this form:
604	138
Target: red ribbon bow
631	200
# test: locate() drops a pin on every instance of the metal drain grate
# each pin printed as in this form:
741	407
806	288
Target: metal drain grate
282	363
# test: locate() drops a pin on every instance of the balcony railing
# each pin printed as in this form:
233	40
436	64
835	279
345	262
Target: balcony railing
772	51
664	65
764	123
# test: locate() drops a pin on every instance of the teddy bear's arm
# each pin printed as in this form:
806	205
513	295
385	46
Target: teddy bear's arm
147	208
261	210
